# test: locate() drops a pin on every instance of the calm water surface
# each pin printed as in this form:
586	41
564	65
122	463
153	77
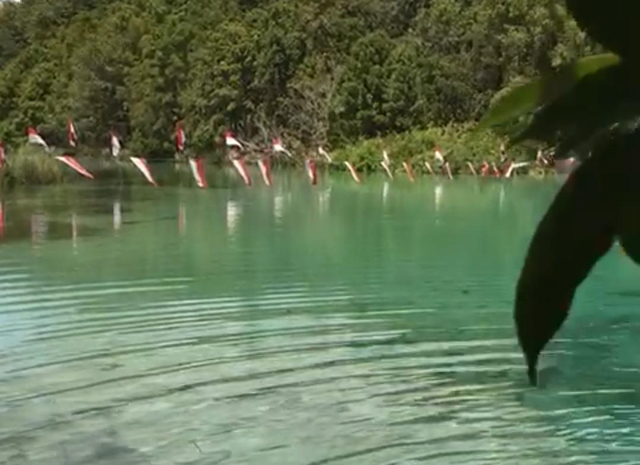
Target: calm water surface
340	324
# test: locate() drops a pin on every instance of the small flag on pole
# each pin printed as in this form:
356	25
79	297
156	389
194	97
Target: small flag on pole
34	138
181	138
353	172
231	141
75	165
265	170
409	170
325	154
278	147
116	147
239	165
142	165
72	134
197	168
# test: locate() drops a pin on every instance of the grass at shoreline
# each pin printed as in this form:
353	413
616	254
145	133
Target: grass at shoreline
459	143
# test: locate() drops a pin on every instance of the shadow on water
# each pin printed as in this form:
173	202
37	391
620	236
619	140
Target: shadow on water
343	324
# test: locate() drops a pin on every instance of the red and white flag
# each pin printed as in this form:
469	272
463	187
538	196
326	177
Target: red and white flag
387	169
231	141
142	165
447	169
34	138
239	165
484	169
353	172
386	164
385	157
472	168
496	171
312	171
75	165
541	159
265	170
325	154
409	170
278	147
429	168
72	134
509	170
514	167
2	155
181	138
116	147
197	168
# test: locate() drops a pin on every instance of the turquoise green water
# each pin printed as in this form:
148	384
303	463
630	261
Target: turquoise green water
341	324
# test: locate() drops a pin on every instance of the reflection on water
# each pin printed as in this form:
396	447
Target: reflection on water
439	191
1	220
182	219
234	212
278	207
385	192
39	228
324	199
117	215
74	231
347	329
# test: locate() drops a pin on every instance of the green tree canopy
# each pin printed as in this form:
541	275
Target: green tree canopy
319	72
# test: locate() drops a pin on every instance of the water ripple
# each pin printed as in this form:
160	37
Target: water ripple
347	333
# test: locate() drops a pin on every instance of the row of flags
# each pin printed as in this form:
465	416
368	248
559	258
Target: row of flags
33	137
36	139
236	150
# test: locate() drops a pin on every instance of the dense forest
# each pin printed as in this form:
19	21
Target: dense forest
315	71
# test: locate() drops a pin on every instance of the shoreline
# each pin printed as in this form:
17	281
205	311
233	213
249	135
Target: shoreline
177	173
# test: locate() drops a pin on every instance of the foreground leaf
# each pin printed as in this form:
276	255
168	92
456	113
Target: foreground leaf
599	201
527	97
595	104
613	23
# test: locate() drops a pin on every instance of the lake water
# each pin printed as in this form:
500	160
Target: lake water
339	324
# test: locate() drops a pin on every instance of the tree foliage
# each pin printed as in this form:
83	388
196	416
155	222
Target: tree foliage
320	72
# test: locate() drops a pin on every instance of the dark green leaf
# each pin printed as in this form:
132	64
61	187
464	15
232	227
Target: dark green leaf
598	102
525	98
613	23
